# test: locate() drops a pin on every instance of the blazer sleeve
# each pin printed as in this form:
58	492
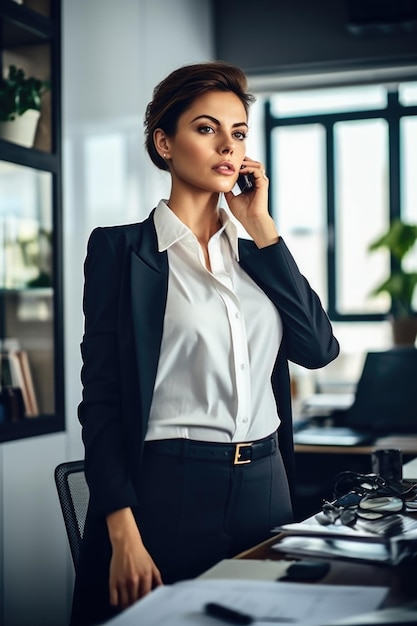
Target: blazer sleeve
99	412
307	332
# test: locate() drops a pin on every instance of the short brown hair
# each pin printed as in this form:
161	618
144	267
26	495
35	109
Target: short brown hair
176	93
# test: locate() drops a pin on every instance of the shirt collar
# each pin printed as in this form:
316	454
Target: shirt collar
170	229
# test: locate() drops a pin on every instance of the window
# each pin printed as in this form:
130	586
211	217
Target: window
298	163
342	164
361	201
341	99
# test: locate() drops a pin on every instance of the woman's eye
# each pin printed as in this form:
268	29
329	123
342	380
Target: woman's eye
240	134
205	129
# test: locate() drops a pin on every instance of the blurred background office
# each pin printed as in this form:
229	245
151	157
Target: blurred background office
336	123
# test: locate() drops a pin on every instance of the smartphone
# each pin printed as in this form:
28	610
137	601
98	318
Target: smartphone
246	183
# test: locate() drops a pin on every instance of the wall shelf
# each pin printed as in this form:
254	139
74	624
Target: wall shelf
22	26
31	319
29	157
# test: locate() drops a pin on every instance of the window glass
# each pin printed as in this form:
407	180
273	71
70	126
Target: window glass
408	136
361	183
320	101
408	128
408	94
298	197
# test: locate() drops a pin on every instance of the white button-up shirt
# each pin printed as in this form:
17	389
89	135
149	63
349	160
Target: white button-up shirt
220	340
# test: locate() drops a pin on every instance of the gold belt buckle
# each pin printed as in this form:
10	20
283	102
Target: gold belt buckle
237	460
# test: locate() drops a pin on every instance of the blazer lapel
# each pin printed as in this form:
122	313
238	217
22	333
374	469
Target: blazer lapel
148	288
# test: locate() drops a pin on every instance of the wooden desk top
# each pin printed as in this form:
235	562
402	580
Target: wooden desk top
401	579
406	443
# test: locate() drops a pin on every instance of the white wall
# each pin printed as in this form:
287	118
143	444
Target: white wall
113	55
109	74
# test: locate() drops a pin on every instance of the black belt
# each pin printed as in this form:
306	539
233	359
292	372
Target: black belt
237	453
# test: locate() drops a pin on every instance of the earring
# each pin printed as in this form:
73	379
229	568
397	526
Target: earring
165	156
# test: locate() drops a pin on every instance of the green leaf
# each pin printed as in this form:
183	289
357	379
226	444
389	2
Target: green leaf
400	287
19	93
399	239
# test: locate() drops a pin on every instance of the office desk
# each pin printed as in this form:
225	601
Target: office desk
316	467
401	580
406	443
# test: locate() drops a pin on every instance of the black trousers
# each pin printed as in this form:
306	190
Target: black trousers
192	513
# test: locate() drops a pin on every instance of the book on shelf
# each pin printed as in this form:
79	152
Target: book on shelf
16	373
21	367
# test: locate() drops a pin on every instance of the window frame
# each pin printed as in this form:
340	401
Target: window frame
392	114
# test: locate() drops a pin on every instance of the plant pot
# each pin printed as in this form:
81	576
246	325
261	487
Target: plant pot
22	129
404	331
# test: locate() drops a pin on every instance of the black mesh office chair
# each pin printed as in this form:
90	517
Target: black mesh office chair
73	496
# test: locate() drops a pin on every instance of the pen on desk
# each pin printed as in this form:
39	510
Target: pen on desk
237	617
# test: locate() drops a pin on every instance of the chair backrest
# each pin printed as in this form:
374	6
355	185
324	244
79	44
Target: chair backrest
73	496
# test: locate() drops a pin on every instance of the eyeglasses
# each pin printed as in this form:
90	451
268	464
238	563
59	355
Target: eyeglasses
348	509
364	497
362	484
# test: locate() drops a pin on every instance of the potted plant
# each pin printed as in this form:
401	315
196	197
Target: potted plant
20	105
400	284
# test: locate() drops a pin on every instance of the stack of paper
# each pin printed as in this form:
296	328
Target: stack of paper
390	540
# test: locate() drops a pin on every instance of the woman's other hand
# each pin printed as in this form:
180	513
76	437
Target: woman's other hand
133	572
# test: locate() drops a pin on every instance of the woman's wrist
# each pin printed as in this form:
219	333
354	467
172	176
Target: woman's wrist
120	524
263	231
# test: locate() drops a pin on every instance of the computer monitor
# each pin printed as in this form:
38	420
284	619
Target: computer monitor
386	394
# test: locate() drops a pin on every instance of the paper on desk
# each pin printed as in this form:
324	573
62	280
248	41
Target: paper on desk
329	401
363	530
390	545
182	604
248	569
336	549
397	615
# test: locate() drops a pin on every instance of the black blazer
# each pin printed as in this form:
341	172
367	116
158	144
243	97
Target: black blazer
126	281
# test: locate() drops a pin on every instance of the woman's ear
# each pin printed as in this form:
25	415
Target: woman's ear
161	142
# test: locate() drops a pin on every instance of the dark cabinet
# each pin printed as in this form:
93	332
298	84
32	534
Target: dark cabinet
31	315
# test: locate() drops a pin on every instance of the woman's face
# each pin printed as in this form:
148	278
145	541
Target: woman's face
208	147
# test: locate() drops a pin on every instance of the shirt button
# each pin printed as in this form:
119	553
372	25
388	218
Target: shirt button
237	315
245	420
242	366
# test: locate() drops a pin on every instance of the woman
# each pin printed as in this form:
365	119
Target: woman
188	330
